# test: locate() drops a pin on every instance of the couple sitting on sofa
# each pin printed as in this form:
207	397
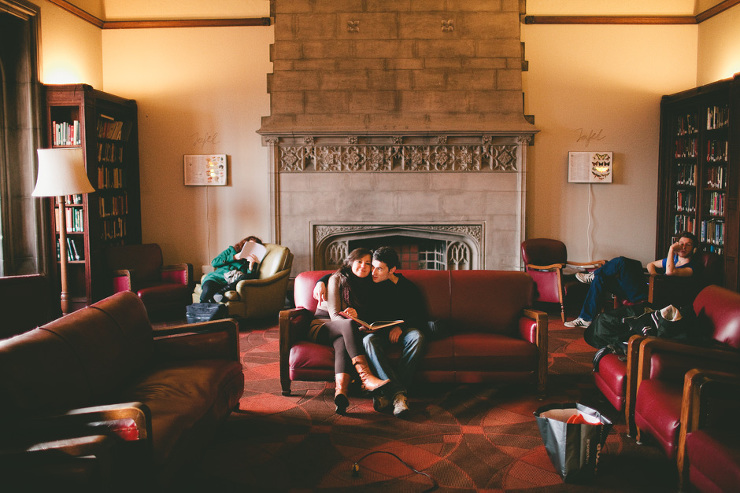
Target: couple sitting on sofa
352	292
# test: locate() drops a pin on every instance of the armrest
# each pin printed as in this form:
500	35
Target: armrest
216	339
541	340
633	349
293	324
130	421
178	273
593	263
697	382
552	267
123	280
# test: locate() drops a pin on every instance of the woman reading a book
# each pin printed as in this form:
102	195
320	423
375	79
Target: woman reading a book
230	266
349	293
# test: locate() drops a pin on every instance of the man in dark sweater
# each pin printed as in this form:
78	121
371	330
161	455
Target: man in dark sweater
396	298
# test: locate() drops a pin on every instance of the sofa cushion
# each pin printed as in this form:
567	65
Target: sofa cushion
714	459
476	308
47	362
180	395
492	352
658	411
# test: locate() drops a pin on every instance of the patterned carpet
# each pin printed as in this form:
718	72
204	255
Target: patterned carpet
466	437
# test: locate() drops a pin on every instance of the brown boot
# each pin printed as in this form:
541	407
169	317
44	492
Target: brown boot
340	392
370	382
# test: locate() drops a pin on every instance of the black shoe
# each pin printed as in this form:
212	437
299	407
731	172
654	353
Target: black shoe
342	403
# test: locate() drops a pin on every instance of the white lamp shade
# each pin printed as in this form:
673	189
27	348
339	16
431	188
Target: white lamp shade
61	172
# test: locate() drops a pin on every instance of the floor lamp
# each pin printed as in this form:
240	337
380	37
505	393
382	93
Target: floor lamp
61	173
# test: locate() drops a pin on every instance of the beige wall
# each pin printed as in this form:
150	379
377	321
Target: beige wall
70	49
719	47
604	82
199	91
194	83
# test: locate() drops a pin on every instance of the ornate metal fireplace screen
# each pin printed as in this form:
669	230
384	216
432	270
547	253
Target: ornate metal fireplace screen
427	246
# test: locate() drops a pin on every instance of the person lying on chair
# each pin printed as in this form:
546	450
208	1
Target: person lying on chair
625	277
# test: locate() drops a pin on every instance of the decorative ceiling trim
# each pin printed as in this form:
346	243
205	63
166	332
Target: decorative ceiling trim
627	19
598	19
158	24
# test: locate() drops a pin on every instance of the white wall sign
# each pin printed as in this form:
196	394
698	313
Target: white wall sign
590	167
205	169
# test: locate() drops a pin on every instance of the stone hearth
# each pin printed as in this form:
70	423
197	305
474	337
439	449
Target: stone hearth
393	116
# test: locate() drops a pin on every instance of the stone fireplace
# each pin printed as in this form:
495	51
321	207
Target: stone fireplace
398	123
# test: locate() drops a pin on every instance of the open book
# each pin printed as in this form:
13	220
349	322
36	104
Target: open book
257	249
366	327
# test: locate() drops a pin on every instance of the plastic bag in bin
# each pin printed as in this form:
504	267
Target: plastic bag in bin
574	435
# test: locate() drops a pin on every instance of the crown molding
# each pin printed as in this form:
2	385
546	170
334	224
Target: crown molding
158	24
630	19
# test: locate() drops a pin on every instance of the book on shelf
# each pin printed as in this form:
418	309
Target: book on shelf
372	327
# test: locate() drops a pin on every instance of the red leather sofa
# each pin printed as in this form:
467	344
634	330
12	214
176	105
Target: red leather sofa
494	335
98	397
662	364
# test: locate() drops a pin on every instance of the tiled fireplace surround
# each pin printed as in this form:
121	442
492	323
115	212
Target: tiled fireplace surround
398	119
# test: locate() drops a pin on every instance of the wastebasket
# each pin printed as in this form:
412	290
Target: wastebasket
574	435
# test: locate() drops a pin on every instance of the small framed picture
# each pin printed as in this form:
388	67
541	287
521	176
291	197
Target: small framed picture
205	169
590	167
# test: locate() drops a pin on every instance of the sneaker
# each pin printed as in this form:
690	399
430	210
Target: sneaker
585	277
218	297
381	403
400	406
579	322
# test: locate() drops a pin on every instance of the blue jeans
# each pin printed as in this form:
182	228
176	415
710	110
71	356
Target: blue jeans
623	277
413	347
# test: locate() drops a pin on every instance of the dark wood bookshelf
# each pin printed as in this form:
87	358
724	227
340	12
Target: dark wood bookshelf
106	127
699	171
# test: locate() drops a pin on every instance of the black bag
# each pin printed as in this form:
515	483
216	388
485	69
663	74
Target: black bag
574	448
203	312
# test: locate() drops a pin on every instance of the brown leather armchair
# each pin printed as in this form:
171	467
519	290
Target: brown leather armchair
262	297
544	260
164	289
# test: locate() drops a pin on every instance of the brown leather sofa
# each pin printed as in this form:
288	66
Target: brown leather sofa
494	336
98	394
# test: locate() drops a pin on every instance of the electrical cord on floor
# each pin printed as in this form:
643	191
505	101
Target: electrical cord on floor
356	468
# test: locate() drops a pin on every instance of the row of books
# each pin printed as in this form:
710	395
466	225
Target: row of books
686	148
110	178
685	201
717	151
73	253
110	152
66	133
718	117
75	218
717	203
686	174
712	232
686	125
113	227
716	177
74	199
113	206
112	129
683	223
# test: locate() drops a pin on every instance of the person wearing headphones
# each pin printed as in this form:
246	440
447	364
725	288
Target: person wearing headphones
625	277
